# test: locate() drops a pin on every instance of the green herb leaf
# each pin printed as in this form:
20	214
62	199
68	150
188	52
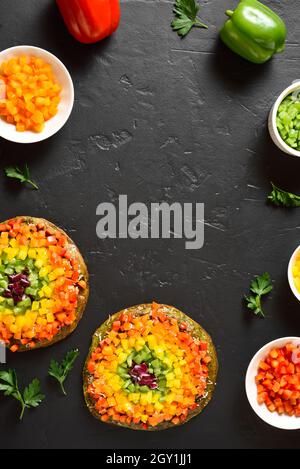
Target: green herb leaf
186	12
32	394
283	198
22	175
10	383
61	371
260	286
253	302
31	397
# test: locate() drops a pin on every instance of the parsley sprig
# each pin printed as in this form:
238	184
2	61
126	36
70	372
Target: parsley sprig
21	174
60	371
282	198
31	396
260	286
186	12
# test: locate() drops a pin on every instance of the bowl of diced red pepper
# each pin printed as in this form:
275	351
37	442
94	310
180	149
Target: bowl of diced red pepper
273	383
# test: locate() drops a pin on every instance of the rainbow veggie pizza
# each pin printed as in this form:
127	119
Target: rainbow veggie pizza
43	284
150	367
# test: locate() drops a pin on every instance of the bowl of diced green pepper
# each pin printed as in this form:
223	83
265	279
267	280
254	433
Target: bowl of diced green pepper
284	120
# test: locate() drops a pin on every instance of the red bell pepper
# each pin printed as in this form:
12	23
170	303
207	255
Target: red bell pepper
90	20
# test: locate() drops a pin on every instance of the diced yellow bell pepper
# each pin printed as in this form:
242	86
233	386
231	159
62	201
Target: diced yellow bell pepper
158	406
39	263
23	253
56	273
47	291
32	253
134	397
11	253
35	305
151	339
125	344
45	271
42	253
122	357
143	399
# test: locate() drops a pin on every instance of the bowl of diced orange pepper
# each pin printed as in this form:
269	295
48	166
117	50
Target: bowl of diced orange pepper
273	383
36	94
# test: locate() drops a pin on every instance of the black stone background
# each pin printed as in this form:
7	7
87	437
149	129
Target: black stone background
161	119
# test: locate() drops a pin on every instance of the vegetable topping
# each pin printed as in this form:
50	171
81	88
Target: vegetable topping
140	375
278	380
32	93
147	370
40	282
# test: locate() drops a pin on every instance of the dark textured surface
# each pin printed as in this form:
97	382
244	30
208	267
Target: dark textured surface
158	118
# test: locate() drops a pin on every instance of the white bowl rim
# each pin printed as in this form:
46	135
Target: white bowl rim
293	87
275	420
41	137
290	274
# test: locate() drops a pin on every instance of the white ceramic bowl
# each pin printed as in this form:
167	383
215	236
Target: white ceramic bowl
284	422
290	274
295	86
8	131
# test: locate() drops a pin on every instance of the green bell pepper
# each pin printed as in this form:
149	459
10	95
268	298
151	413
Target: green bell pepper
254	31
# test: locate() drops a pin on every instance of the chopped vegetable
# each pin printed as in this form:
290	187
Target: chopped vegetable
254	31
288	120
32	93
141	374
17	287
30	398
278	380
60	371
90	21
260	286
21	175
186	12
281	197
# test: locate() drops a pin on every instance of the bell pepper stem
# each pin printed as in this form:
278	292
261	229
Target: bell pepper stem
229	13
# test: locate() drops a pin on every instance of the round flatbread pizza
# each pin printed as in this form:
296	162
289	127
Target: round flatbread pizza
150	367
43	284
